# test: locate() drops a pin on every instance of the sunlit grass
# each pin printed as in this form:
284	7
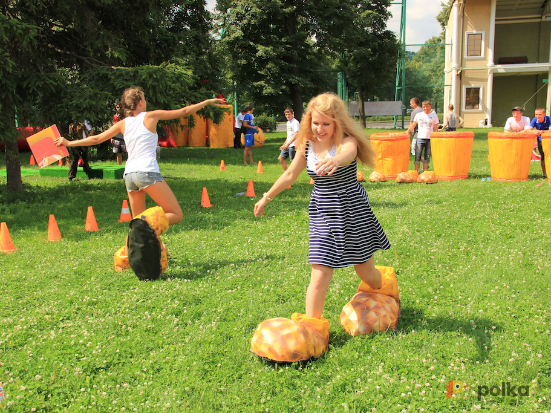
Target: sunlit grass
472	264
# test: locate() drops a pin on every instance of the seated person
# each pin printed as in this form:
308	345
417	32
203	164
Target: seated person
517	122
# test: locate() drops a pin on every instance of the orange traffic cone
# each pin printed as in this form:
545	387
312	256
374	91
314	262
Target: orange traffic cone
125	212
250	189
311	181
222	166
6	245
32	162
60	163
289	187
259	169
205	202
91	224
53	229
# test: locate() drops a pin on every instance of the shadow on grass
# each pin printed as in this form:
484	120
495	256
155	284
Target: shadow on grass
199	271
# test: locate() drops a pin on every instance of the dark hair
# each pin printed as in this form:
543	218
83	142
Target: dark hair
250	107
415	100
289	109
130	99
427	102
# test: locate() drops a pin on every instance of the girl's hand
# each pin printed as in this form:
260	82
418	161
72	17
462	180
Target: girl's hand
215	101
327	166
61	141
259	207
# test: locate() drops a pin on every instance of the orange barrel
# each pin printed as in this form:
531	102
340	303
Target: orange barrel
392	151
510	155
451	154
546	146
259	139
198	134
221	135
181	133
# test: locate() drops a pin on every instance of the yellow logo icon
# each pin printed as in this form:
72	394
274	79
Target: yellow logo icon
454	386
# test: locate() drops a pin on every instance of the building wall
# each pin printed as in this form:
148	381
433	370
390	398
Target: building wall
523	39
511	91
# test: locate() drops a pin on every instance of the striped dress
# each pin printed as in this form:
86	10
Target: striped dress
343	229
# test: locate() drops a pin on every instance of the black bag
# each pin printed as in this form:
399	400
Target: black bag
144	250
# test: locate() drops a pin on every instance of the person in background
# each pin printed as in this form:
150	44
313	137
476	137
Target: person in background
118	141
239	129
288	148
450	123
541	122
427	122
517	122
414	103
249	129
78	131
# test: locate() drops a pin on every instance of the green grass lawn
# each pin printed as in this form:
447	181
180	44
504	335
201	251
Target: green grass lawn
472	260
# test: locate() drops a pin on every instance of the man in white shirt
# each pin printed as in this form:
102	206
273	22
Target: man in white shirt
238	129
426	122
288	148
517	122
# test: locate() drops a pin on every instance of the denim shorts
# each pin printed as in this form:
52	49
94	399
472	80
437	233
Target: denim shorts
422	144
137	181
288	153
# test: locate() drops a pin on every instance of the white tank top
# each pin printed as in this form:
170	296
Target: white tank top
141	145
313	158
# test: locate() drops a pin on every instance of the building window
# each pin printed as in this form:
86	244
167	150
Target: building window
472	98
474	44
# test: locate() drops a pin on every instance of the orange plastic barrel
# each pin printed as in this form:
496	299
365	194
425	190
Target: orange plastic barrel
259	139
198	134
221	135
510	155
546	146
392	151
451	154
181	133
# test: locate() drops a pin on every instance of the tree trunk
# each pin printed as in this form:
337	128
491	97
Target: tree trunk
361	107
294	89
13	166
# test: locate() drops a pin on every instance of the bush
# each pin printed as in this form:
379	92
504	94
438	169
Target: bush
266	123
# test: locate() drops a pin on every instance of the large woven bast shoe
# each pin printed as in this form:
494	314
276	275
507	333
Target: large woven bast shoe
284	340
373	311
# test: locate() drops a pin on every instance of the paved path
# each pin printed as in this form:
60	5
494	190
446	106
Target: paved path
282	126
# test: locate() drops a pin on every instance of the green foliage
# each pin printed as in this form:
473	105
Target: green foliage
266	123
472	265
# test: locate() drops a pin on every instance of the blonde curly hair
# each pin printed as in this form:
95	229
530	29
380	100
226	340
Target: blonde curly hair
330	105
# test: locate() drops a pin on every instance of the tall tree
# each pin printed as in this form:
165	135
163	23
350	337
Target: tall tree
69	60
282	50
370	51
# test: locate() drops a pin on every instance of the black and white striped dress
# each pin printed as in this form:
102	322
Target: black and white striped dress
343	229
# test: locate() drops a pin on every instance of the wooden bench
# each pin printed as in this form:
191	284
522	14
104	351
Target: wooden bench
513	60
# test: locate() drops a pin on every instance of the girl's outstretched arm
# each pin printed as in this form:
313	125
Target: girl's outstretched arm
94	139
286	179
157	115
349	150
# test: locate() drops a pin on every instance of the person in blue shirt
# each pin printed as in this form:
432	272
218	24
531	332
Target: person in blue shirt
541	123
249	129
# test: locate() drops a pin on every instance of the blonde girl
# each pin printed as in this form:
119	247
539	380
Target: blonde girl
141	174
343	229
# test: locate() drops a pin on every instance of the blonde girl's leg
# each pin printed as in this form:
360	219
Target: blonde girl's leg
317	290
369	274
163	196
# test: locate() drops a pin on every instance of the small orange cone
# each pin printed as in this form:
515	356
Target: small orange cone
91	224
289	187
250	189
311	181
205	202
60	163
125	212
259	169
222	166
32	162
6	245
53	229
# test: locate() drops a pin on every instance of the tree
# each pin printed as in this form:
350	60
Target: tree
68	61
283	50
370	51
